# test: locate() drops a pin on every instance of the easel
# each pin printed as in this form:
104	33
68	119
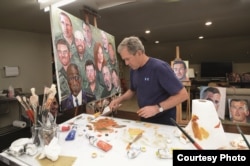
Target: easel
86	11
179	112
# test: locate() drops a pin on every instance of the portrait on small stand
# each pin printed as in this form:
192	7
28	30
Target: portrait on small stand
180	68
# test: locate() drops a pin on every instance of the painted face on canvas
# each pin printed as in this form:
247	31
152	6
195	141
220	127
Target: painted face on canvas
239	111
63	54
74	80
180	71
66	25
90	73
215	98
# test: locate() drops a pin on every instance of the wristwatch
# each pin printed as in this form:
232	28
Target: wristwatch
160	108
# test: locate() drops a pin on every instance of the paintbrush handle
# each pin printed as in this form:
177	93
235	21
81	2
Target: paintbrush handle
197	146
245	139
134	140
30	115
188	136
137	137
243	136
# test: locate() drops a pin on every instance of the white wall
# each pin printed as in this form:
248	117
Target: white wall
32	53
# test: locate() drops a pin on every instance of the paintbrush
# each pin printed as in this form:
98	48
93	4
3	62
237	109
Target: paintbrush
34	101
188	136
27	110
50	96
107	111
21	102
26	102
243	136
45	93
134	140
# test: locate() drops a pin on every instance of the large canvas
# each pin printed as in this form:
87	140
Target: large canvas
217	95
85	58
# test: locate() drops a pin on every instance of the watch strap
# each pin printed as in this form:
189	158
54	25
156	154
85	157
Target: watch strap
159	105
160	108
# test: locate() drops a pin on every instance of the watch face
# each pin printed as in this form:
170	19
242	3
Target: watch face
160	109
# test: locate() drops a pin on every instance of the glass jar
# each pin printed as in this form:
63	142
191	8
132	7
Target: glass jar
35	135
48	133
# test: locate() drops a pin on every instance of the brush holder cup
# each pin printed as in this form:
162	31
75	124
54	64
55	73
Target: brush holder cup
35	135
48	133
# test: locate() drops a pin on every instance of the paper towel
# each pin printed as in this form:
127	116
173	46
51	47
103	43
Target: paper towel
18	123
207	119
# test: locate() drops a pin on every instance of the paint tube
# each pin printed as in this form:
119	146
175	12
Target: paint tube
93	140
71	134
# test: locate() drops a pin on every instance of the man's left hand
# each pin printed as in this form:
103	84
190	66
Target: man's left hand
148	111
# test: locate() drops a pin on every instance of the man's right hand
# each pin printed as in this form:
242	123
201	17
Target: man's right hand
114	104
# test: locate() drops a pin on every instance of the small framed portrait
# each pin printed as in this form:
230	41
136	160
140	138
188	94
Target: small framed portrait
239	110
217	95
180	68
